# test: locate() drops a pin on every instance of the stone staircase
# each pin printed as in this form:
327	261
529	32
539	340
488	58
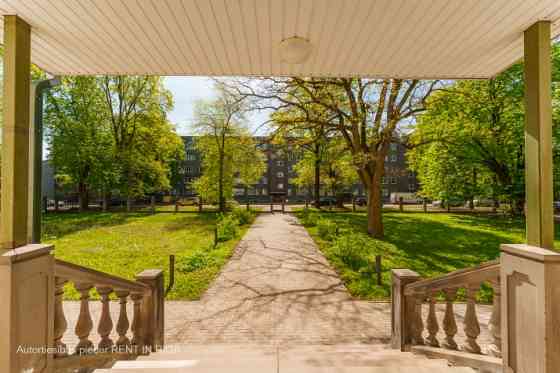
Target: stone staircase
300	359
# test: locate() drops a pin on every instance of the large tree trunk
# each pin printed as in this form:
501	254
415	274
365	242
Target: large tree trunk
374	207
83	196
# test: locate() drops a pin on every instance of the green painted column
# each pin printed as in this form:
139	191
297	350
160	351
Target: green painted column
538	136
15	132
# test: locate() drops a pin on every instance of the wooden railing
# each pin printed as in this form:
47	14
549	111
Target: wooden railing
412	328
139	333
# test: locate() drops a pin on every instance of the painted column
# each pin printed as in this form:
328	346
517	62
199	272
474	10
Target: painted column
26	271
15	133
538	136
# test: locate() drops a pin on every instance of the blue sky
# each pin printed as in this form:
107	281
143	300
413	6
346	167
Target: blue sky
186	91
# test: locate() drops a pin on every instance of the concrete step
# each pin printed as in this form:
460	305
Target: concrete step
188	367
296	359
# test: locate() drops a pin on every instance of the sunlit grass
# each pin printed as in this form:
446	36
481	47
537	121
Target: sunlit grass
125	244
431	244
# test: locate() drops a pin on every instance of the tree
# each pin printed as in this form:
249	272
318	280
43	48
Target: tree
78	134
336	169
226	148
478	126
145	143
367	113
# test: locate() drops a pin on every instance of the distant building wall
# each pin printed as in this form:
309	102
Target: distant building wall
280	162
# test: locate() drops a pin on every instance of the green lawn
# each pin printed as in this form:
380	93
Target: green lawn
125	244
430	244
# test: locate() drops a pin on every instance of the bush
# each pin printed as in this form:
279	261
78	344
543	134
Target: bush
197	260
327	229
357	251
308	218
228	227
244	216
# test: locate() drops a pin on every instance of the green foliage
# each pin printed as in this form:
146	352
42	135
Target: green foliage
229	155
357	251
195	261
430	244
470	141
244	216
111	132
308	218
228	227
126	244
337	172
327	229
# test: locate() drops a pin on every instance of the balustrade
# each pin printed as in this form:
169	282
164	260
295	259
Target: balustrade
409	300
131	337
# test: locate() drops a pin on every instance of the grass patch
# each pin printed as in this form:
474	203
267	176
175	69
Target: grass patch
431	244
125	244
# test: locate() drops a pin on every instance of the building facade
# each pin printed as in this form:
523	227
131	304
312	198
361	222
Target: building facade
277	179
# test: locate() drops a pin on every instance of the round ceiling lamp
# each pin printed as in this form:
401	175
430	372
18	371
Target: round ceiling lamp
295	50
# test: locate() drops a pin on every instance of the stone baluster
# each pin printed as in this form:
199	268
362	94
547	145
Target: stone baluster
449	323
105	325
432	323
471	327
60	324
122	323
417	325
85	323
495	348
137	320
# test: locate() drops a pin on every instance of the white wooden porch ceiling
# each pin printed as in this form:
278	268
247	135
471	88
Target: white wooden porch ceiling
372	38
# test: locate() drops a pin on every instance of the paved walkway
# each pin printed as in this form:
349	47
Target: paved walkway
277	289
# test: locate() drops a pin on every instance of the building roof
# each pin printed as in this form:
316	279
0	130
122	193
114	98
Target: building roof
369	38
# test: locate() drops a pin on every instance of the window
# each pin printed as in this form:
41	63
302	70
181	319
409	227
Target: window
411	187
279	174
188	170
383	180
279	163
264	180
385	192
411	174
191	156
393	157
264	192
280	186
393	146
393	180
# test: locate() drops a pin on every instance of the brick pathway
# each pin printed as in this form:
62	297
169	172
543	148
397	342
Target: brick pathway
277	289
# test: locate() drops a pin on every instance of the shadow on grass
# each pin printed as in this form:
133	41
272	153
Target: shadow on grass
205	221
64	223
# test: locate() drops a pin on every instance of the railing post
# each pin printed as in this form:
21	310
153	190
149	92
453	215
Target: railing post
153	308
60	324
449	323
122	323
84	325
402	309
105	325
495	349
472	326
529	278
153	204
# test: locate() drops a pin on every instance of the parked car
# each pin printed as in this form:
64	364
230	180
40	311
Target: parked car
327	201
556	205
360	201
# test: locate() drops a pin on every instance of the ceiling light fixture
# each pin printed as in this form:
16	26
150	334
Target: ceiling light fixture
295	50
